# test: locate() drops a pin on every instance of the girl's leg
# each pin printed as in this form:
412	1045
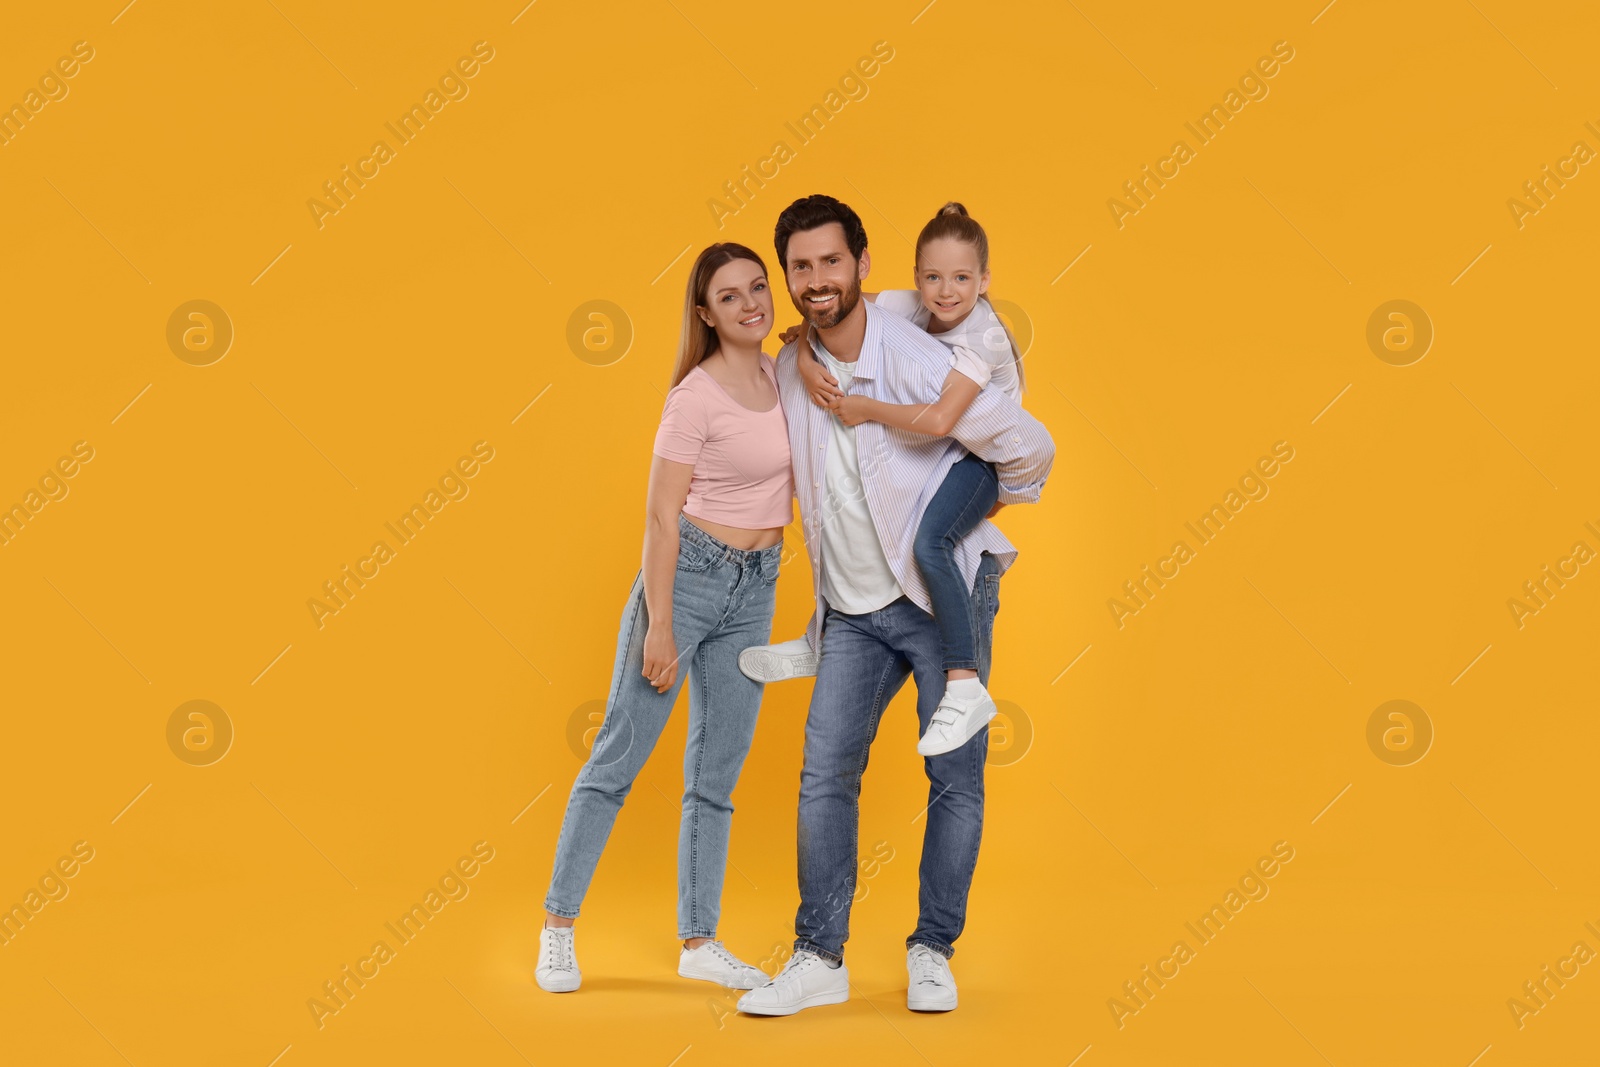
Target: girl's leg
968	492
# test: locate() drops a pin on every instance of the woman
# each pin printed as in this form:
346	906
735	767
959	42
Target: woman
721	491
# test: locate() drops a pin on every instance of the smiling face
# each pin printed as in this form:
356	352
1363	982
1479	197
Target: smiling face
824	278
738	303
949	280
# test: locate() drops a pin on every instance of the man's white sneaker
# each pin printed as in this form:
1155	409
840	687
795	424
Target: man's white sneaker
712	962
558	962
931	986
956	722
776	663
806	981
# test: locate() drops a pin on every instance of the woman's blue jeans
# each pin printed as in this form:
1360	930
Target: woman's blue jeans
722	602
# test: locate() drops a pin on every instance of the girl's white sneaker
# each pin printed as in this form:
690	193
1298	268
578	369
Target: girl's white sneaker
957	720
711	962
558	961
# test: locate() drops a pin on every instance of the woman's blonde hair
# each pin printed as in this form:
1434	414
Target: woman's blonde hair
699	338
952	221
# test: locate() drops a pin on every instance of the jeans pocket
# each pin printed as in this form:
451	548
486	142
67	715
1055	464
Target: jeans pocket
770	561
695	557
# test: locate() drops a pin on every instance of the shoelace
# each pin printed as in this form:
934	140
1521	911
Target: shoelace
795	964
727	957
924	969
561	951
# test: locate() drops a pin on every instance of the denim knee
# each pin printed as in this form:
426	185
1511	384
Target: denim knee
929	546
613	787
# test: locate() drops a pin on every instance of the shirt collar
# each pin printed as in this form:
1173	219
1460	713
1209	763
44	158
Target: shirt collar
871	357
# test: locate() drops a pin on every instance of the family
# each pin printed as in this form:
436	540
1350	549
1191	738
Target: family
896	421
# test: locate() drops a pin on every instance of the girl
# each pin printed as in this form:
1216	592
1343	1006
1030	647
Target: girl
719	496
952	273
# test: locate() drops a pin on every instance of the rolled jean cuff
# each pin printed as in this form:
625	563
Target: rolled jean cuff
565	913
802	945
944	950
959	665
708	934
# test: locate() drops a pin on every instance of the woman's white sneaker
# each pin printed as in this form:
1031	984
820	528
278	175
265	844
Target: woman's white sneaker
931	986
806	981
779	662
558	961
711	962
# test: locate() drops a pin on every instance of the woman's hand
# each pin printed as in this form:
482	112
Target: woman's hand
660	657
994	511
852	410
792	334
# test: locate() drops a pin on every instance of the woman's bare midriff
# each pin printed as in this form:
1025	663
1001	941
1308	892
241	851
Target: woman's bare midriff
737	537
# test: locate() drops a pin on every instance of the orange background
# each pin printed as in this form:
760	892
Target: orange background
1141	770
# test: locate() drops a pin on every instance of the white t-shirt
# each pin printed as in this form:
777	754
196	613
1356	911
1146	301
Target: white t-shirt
856	577
978	342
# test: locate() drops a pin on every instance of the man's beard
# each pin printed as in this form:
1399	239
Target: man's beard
826	320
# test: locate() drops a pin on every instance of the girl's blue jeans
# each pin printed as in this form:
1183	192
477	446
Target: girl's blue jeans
962	501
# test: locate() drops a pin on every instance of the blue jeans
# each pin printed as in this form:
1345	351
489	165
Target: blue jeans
962	501
722	601
865	660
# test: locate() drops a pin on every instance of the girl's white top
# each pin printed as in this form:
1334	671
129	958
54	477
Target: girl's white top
978	342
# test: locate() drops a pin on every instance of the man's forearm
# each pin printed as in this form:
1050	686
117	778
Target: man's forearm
1022	480
997	429
1029	495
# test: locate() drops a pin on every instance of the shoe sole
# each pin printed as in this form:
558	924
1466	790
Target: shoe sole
718	981
931	1005
941	749
815	1000
761	666
559	987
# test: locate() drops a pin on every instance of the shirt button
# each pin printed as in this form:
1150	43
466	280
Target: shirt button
816	485
1015	439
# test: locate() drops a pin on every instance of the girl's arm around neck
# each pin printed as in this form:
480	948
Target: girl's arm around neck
935	420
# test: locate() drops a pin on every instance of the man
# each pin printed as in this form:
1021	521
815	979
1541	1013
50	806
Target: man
862	493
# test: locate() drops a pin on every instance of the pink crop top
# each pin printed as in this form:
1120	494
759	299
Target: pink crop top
742	473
